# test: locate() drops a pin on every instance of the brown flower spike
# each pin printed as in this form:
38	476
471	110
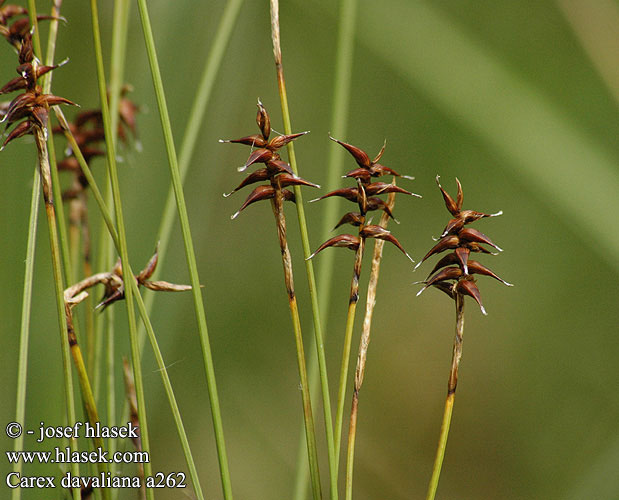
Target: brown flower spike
453	273
88	131
31	108
20	28
366	196
114	284
276	171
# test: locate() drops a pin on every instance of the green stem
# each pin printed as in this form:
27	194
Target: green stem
308	417
110	384
46	180
120	28
352	433
193	127
339	118
350	323
58	284
24	331
149	329
189	250
449	402
127	276
193	473
87	395
363	347
309	267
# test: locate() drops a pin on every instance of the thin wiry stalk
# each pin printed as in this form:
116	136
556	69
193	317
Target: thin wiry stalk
128	277
198	109
120	28
24	331
189	250
22	370
110	382
78	249
309	268
45	178
148	326
451	395
350	322
87	394
339	120
193	127
66	325
47	82
308	418
103	322
58	282
193	473
363	347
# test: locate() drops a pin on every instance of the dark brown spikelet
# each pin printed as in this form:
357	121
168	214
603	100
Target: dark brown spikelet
453	273
115	287
88	131
366	196
342	240
31	108
276	171
368	168
15	31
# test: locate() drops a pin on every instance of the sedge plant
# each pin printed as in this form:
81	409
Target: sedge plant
366	196
309	268
453	275
279	175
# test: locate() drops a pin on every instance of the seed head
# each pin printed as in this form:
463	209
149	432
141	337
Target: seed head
115	287
31	108
88	131
453	273
275	170
365	195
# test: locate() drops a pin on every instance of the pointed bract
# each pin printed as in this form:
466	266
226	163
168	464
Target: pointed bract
259	175
255	140
261	155
281	140
471	234
449	201
468	287
353	218
342	240
263	193
478	268
286	179
263	121
381	233
360	156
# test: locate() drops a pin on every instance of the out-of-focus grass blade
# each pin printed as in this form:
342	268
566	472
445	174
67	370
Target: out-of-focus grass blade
596	24
547	150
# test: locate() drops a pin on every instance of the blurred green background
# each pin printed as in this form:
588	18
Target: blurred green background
519	100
